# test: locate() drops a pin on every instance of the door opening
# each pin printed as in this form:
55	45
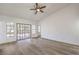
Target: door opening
23	31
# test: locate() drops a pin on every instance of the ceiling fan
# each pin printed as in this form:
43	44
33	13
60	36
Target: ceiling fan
38	8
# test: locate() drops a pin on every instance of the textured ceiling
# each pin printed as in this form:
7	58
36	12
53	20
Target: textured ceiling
22	10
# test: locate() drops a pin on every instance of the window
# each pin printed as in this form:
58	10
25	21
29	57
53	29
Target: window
10	29
36	31
33	29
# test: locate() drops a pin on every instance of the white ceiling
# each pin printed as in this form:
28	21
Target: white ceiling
22	10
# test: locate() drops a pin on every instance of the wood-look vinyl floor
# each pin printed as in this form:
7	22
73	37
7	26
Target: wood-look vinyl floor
38	47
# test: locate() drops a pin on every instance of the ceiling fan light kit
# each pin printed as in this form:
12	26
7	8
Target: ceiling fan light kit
38	8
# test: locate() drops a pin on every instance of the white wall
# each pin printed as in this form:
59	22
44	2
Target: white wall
3	21
63	25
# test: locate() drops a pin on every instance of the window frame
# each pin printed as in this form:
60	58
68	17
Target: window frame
10	26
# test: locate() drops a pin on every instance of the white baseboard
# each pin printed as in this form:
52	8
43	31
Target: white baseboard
60	42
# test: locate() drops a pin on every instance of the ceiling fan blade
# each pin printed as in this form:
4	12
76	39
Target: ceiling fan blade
42	7
32	9
41	11
36	4
36	12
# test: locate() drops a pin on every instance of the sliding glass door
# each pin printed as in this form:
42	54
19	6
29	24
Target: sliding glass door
23	31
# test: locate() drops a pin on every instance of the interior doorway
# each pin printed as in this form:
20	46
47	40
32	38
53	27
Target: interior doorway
23	31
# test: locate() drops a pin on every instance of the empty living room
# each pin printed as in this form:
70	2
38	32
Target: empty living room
39	28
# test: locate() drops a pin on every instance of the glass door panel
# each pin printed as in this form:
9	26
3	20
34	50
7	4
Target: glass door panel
23	31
